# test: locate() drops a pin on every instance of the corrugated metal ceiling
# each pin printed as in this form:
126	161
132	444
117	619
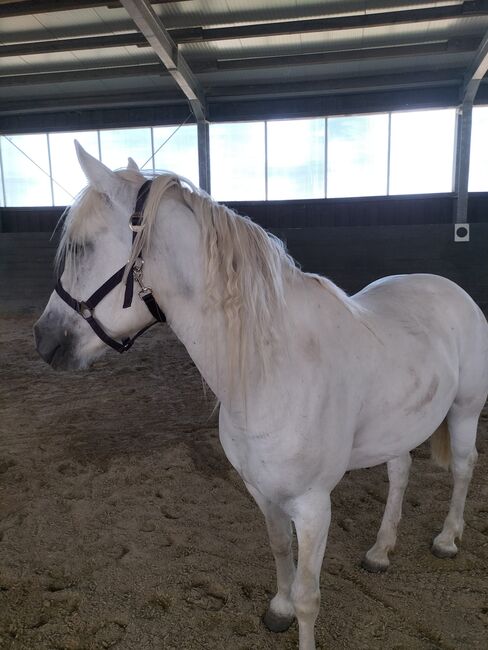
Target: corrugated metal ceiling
269	47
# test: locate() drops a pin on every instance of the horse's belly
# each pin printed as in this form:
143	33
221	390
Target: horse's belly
390	435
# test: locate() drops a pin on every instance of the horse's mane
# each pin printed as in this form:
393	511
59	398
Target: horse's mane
245	270
245	266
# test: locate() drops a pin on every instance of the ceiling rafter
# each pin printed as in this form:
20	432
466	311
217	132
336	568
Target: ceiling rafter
105	71
73	44
338	55
163	45
470	8
476	71
449	77
28	7
418	47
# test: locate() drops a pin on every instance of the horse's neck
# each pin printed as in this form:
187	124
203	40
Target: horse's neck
176	272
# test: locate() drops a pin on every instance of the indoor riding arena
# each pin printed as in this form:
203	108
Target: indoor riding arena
357	134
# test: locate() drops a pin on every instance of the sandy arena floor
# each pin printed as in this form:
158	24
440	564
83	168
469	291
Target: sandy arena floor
122	524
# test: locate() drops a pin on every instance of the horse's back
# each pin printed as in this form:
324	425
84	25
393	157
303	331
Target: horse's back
439	307
424	297
397	288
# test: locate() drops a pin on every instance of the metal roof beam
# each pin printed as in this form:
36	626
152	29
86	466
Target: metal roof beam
105	71
464	44
425	79
28	7
163	45
338	56
73	44
469	8
476	72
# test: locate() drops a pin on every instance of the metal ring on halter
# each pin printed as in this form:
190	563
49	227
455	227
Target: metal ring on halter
135	223
85	311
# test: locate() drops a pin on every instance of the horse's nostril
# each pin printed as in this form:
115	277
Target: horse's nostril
49	355
37	335
47	345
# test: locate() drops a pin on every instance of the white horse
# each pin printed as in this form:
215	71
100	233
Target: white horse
311	382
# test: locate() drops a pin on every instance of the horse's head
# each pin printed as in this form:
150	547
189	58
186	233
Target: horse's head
96	242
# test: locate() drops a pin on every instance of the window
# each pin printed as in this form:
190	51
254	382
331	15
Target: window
180	153
296	159
237	161
357	155
478	166
25	162
2	191
422	150
68	179
117	145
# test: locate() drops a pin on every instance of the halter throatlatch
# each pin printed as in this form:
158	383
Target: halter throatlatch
86	308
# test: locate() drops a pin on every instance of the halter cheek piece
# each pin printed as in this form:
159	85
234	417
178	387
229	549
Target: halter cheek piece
86	308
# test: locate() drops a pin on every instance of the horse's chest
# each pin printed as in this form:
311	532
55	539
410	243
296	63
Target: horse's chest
278	464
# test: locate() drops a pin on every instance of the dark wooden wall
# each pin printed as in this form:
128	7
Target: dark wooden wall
352	241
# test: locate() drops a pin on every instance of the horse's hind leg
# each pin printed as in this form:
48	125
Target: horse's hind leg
376	559
280	613
462	429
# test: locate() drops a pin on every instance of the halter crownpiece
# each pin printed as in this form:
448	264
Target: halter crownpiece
86	308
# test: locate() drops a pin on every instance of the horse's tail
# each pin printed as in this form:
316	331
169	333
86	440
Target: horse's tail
440	446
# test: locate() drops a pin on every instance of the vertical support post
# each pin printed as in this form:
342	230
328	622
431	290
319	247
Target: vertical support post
4	191
51	180
266	178
203	155
461	160
388	157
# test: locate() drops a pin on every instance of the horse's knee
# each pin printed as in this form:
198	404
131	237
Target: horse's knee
462	466
281	547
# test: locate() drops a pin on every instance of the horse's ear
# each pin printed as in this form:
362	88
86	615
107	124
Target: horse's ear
131	164
100	177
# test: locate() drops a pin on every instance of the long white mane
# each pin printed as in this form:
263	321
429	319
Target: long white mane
246	268
245	271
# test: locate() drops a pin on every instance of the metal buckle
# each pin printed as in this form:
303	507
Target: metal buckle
145	291
138	264
135	222
85	311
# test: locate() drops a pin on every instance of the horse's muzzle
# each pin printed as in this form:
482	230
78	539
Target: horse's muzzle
55	347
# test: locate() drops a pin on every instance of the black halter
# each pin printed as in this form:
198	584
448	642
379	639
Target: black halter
86	308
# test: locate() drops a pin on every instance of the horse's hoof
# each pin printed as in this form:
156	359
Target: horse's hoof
276	622
373	566
444	551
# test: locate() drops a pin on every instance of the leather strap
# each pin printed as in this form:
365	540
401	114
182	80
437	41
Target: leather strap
87	307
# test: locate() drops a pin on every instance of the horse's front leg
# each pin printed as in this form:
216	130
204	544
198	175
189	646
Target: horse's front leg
312	520
280	613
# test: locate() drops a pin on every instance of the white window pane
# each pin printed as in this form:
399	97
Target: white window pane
25	183
357	155
119	144
237	161
2	202
296	159
179	154
422	150
66	170
478	165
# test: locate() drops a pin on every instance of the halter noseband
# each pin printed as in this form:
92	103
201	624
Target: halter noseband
86	308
